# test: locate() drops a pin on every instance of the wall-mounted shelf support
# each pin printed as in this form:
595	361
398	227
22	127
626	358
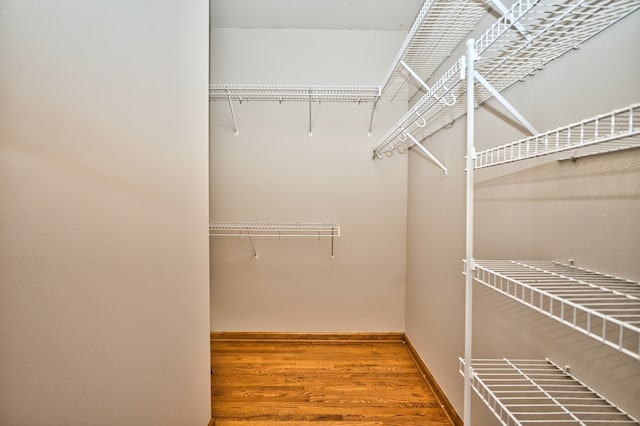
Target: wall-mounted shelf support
514	112
310	132
275	230
415	76
426	152
373	111
253	246
233	115
442	99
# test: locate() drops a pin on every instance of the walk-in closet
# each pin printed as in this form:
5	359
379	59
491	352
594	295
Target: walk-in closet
472	185
319	212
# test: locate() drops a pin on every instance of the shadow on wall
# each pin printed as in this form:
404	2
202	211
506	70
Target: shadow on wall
607	168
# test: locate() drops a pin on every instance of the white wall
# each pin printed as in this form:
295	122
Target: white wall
302	56
273	171
586	211
103	213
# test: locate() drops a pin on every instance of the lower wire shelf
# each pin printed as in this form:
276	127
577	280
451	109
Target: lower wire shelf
535	392
604	307
328	230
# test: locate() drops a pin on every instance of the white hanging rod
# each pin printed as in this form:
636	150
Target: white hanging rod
525	391
618	129
268	229
314	93
506	56
603	307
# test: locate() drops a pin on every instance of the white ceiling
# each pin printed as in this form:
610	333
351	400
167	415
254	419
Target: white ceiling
390	15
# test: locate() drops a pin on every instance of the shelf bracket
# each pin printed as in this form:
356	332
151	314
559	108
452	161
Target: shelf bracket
255	253
505	103
415	76
233	116
426	152
332	253
310	133
373	110
426	86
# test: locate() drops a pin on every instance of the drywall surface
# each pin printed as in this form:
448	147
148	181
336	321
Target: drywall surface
543	209
299	56
103	213
273	171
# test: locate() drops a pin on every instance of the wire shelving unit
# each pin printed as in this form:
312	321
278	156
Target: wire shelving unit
438	28
603	307
528	392
268	229
530	35
275	230
282	93
619	129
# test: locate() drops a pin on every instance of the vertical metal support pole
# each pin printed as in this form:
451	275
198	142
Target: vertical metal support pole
310	112
469	264
233	116
373	110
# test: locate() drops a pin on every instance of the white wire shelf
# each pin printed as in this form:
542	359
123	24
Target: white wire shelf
603	307
255	92
267	229
525	39
438	28
527	392
274	230
619	129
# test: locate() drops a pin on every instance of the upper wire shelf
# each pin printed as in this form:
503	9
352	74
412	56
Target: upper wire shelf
603	307
523	392
438	28
528	36
255	92
619	129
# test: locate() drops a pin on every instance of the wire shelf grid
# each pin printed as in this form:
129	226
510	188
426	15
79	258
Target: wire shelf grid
526	38
254	92
619	129
526	392
268	229
438	28
601	306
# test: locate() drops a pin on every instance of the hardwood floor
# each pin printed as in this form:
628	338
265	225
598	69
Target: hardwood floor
319	383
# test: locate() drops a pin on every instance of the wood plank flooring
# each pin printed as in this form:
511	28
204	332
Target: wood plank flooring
319	383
